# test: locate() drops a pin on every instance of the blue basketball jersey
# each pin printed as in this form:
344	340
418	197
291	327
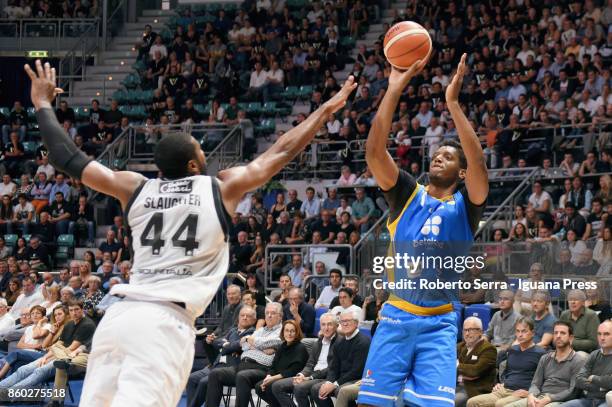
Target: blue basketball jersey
424	221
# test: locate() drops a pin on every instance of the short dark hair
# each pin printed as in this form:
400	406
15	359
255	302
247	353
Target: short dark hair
75	303
460	152
248	292
597	199
310	189
172	154
347	291
335	271
525	321
568	325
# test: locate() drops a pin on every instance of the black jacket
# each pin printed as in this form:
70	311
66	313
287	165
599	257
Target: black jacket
233	349
314	358
348	361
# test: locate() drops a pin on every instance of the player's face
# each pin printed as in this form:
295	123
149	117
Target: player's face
444	170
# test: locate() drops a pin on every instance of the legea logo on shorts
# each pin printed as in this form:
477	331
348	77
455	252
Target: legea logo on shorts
367	380
176	187
446	389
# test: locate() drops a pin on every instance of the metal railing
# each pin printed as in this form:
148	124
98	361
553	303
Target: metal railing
114	18
47	33
305	250
322	160
221	143
505	211
73	65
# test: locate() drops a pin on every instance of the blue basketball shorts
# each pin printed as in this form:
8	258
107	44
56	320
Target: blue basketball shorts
411	357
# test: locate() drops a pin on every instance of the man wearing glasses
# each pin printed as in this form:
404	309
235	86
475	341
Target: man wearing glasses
315	371
258	352
475	364
348	361
501	328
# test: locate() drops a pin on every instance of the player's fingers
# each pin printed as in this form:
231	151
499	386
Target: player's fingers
47	70
29	71
57	91
53	75
39	69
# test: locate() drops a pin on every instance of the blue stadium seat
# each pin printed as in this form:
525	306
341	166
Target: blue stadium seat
366	331
318	313
481	311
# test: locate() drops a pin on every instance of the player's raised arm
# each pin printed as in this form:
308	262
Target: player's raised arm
235	182
64	155
476	178
377	157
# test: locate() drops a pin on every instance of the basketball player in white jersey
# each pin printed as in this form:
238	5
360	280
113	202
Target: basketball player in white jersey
143	349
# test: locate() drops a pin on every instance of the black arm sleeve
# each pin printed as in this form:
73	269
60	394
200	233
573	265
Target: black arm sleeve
474	211
63	153
397	196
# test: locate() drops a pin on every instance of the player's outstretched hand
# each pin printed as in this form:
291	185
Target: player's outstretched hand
44	88
454	87
338	101
398	80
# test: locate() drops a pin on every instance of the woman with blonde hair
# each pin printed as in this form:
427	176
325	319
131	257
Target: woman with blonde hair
605	189
84	272
51	296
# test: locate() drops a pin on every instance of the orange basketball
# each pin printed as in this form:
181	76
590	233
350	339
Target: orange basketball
405	43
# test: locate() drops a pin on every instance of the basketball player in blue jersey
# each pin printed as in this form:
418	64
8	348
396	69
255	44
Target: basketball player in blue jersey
413	354
143	348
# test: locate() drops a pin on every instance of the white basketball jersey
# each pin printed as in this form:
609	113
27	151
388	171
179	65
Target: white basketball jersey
180	242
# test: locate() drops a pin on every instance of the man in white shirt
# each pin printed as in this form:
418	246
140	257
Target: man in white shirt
29	297
433	135
274	81
424	115
587	103
46	168
158	45
7	322
540	199
258	80
315	370
331	291
7	187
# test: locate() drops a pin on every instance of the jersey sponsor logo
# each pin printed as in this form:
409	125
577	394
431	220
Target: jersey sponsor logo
176	187
432	226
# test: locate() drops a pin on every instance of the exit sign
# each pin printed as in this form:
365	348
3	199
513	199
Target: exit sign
37	54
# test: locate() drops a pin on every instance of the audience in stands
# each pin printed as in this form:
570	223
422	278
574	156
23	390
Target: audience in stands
299	311
593	377
228	356
214	341
348	360
584	321
476	363
521	361
258	354
501	329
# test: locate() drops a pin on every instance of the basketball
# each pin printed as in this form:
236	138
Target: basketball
405	43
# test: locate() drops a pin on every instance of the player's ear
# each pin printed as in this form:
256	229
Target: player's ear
462	174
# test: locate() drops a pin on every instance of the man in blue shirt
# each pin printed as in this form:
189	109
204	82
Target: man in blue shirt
59	186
